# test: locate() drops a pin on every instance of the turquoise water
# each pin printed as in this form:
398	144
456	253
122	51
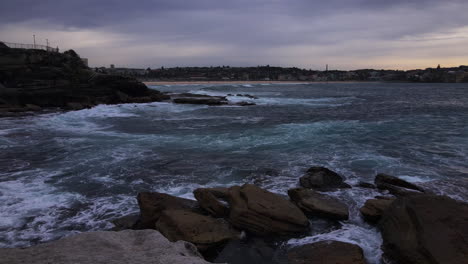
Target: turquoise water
70	172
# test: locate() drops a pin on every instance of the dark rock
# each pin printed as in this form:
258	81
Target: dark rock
264	213
425	229
313	203
153	204
129	246
245	103
126	222
366	185
396	185
3	46
204	231
32	107
326	252
209	201
74	106
201	100
321	178
248	251
373	209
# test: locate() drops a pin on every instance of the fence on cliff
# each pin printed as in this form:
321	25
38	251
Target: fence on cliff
30	46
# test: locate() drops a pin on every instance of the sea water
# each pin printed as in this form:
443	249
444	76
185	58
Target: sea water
63	173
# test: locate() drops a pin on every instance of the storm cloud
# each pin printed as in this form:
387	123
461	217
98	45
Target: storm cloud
346	34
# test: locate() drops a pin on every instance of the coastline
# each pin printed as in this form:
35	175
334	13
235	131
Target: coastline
218	82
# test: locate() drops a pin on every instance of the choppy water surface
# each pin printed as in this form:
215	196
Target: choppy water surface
70	172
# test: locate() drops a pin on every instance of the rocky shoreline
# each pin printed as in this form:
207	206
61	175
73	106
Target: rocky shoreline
35	81
244	222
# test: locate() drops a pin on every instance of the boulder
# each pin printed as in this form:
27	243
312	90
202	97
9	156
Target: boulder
396	186
264	213
366	185
209	201
129	246
204	231
246	251
201	100
326	252
321	178
75	106
313	203
153	204
425	229
126	222
373	209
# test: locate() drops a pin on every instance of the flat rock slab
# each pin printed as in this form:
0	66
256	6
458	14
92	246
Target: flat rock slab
264	213
425	229
313	203
204	231
129	246
327	252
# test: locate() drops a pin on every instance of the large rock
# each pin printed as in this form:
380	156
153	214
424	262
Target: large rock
426	229
373	209
204	231
396	186
327	252
321	178
313	203
264	213
142	247
201	100
153	204
209	201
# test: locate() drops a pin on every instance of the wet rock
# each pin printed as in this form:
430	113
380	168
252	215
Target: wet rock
396	186
75	106
248	251
313	203
373	209
204	231
245	103
264	213
153	204
323	179
210	202
126	222
32	107
425	229
326	252
366	185
201	100
129	246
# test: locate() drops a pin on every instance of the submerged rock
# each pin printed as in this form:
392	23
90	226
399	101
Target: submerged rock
130	246
396	186
204	231
315	204
203	100
373	209
425	229
326	252
264	213
321	178
153	204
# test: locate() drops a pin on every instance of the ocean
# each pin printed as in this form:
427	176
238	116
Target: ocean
68	172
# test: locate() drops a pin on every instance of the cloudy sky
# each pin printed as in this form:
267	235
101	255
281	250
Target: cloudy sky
347	34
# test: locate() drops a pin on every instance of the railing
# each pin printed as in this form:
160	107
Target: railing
30	46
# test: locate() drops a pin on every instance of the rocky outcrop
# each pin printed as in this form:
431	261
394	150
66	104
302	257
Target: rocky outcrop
264	213
425	229
130	246
153	204
323	179
313	203
204	231
126	222
188	98
373	209
209	201
326	252
61	80
396	186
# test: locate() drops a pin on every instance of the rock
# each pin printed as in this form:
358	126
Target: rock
153	204
245	103
75	106
366	185
264	213
247	251
126	222
313	203
396	185
425	229
321	178
373	209
32	107
129	246
210	202
204	231
326	252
